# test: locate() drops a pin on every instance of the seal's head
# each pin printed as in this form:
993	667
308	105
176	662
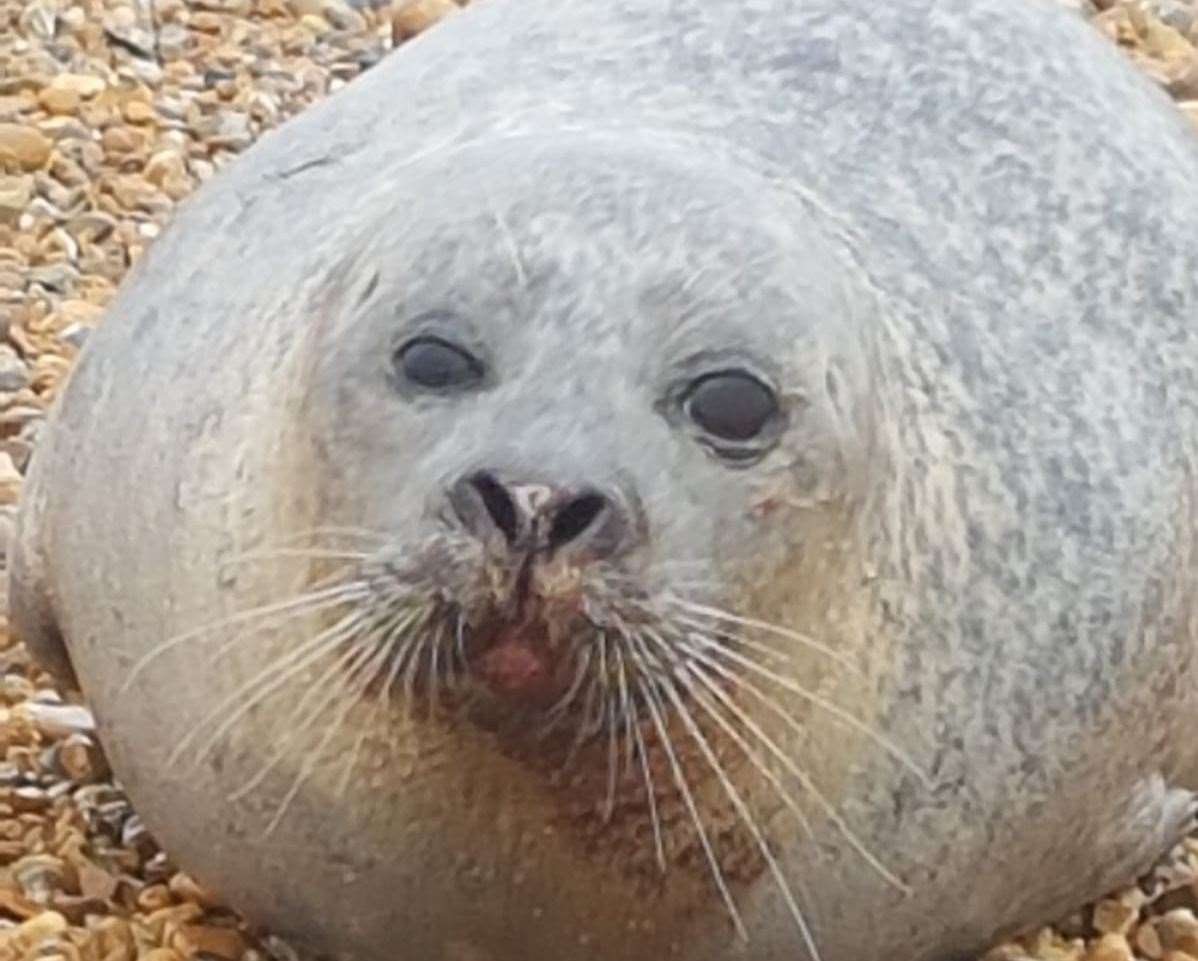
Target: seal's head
590	379
592	433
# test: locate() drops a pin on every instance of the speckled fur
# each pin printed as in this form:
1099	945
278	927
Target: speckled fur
962	232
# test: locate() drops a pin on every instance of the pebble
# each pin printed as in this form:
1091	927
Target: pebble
14	374
16	193
25	146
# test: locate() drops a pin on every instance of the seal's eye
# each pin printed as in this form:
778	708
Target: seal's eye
731	405
433	363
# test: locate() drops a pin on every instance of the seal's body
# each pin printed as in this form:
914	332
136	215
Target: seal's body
655	479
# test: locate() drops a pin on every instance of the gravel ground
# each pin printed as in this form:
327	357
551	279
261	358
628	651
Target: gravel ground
109	114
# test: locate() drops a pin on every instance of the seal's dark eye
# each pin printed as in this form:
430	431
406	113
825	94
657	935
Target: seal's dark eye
731	405
433	363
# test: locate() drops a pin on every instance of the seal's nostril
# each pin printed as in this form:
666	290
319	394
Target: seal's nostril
498	503
575	517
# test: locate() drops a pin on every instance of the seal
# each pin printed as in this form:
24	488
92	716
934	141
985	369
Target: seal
655	479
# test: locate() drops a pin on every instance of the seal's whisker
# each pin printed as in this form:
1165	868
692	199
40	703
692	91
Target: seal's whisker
718	614
416	620
555	714
613	756
412	670
362	533
275	674
706	649
587	728
387	652
687	678
346	665
801	776
314	758
656	711
742	810
626	711
308	603
309	553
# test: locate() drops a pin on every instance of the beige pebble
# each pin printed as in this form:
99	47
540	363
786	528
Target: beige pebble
10	480
84	85
140	112
1112	916
24	145
1110	947
16	193
59	101
411	17
1178	931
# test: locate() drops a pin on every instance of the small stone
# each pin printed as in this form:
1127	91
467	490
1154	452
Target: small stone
124	33
315	23
41	927
84	85
226	943
59	101
60	720
1112	916
16	193
1178	930
76	335
24	146
185	888
39	875
95	882
207	22
342	16
140	112
10	489
1110	947
25	799
14	374
412	17
123	140
1148	941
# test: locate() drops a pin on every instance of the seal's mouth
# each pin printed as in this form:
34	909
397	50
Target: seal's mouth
518	661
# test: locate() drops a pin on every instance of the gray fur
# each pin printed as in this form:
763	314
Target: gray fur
959	236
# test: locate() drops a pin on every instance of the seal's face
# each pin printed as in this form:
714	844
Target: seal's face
596	422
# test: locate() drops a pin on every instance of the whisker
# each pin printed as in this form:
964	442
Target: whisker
345	666
717	874
554	714
314	758
717	614
361	533
309	603
739	739
626	711
310	553
746	816
277	673
613	758
801	776
709	647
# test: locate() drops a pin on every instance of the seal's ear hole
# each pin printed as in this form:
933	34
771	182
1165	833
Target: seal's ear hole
437	364
732	405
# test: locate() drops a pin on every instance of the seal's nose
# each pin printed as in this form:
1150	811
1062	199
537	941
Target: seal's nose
535	516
